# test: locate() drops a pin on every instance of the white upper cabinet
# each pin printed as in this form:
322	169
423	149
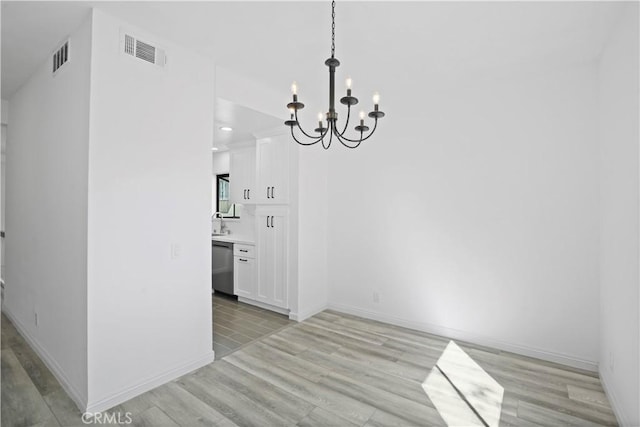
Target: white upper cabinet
242	171
272	166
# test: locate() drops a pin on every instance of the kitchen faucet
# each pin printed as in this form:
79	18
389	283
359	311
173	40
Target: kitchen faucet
222	225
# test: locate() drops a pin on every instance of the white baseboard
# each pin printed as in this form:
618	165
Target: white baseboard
79	399
264	305
303	315
469	337
622	419
149	384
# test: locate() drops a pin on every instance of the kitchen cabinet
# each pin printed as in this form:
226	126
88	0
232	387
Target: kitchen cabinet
244	271
272	166
242	172
272	227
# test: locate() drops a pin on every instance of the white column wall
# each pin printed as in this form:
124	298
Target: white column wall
149	251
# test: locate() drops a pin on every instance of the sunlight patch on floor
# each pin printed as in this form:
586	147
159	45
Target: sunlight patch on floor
462	392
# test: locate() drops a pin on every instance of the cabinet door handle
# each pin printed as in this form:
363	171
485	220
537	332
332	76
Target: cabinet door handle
242	259
243	250
271	221
267	222
272	196
268	197
245	194
248	193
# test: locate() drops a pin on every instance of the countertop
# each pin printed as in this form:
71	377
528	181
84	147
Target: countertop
234	238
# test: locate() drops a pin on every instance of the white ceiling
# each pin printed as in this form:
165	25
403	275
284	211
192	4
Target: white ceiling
387	46
244	121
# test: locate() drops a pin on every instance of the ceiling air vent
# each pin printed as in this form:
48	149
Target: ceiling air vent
61	56
144	51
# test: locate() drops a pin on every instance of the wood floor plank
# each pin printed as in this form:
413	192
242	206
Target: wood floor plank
543	416
411	372
377	378
227	342
384	419
592	413
64	409
307	340
295	365
22	404
152	417
186	409
347	332
230	403
320	417
327	316
408	410
588	396
316	394
261	392
241	338
37	371
287	346
549	374
349	342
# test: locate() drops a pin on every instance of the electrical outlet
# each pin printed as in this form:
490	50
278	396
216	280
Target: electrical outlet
376	297
175	251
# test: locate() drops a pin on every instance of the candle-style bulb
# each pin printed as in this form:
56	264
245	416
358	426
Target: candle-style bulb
294	88
292	111
376	98
361	115
348	82
319	117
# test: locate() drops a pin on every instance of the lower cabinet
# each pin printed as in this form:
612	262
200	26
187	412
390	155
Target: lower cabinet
272	225
244	271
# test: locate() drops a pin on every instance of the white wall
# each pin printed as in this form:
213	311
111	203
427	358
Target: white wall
312	231
242	90
5	121
220	162
149	192
4	113
619	243
474	213
46	213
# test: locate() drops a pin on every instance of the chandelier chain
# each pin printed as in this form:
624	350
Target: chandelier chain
333	28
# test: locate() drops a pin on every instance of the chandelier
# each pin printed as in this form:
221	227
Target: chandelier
331	125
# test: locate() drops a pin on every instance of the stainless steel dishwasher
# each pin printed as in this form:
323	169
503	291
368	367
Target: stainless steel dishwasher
222	266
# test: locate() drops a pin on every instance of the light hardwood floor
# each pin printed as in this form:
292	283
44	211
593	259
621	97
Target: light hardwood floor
236	324
331	370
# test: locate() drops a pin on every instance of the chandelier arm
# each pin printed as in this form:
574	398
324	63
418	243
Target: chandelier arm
343	141
375	125
305	143
331	129
346	123
302	130
347	145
